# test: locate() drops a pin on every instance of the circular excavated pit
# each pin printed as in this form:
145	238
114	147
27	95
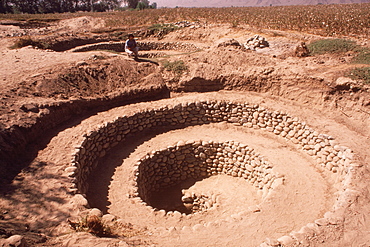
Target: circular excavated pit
164	175
296	187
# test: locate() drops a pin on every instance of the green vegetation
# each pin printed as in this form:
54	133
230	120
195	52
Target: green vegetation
323	46
93	225
339	46
26	41
56	6
360	74
177	67
22	42
163	27
363	56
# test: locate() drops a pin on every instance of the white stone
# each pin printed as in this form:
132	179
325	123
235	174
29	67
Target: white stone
16	241
198	227
95	212
286	240
322	222
79	200
108	218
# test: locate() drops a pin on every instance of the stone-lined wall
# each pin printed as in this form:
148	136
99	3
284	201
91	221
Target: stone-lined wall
96	143
143	46
14	139
200	159
330	156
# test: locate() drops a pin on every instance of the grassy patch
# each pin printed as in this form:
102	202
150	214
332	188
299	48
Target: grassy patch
26	41
363	56
331	46
177	67
93	225
23	42
163	29
360	74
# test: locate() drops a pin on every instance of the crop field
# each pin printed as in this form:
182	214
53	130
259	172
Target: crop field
326	20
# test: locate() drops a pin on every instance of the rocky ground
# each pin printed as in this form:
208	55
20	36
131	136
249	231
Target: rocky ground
49	98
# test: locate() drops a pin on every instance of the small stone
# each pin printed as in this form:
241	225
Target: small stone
123	244
322	222
198	227
172	229
108	218
285	240
79	200
70	169
187	199
177	214
81	63
180	143
30	108
161	213
16	241
272	242
254	209
95	212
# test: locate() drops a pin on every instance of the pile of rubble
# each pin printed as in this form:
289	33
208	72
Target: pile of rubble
252	43
187	24
256	42
196	202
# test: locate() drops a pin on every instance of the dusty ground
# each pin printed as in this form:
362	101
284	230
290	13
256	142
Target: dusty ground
36	203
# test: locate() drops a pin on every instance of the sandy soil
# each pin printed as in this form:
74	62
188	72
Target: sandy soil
37	203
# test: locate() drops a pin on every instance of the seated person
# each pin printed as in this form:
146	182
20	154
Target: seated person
131	46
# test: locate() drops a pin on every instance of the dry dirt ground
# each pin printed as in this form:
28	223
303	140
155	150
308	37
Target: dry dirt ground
36	202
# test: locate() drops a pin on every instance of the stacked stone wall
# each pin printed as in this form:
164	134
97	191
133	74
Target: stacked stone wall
96	144
143	46
198	160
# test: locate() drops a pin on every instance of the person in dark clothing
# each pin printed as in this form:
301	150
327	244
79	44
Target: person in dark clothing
131	47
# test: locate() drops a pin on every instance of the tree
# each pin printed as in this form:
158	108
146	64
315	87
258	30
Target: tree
68	5
26	6
141	5
4	6
60	6
49	6
145	4
110	4
131	3
153	5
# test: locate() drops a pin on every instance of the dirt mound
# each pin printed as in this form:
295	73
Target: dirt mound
81	24
91	79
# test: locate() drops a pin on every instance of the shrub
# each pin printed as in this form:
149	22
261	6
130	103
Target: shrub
331	46
177	67
165	28
361	74
23	42
91	224
363	56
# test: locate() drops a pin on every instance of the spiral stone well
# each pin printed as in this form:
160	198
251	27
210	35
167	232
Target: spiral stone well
196	160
